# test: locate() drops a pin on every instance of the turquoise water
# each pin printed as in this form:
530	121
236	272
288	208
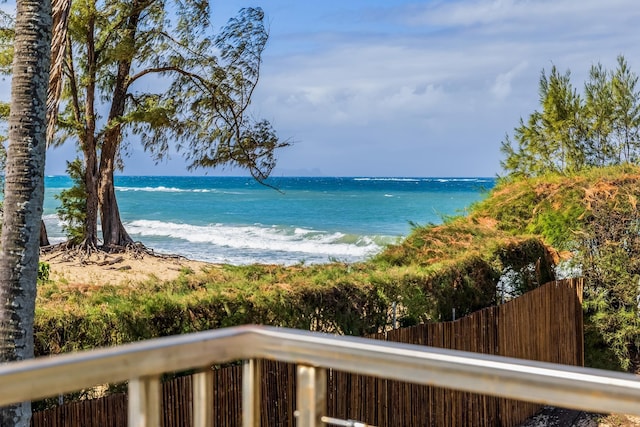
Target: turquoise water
312	220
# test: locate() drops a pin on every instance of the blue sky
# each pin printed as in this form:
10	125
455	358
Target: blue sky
408	88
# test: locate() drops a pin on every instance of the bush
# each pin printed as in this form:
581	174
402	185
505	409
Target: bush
43	272
73	209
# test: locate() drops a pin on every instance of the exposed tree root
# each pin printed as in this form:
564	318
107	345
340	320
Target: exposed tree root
85	253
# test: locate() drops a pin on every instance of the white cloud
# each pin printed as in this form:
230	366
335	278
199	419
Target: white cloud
501	88
513	13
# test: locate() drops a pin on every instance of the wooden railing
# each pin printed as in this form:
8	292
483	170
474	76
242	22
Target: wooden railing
142	364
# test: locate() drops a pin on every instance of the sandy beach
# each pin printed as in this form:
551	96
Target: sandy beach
117	268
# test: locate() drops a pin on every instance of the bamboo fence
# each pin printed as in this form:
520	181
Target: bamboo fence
544	324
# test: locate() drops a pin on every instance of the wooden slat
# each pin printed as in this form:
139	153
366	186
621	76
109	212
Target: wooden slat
203	399
145	402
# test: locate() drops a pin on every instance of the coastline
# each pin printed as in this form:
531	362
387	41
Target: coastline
233	220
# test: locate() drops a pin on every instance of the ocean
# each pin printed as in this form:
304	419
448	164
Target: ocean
238	221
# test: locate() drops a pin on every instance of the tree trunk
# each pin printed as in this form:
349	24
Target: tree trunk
89	144
113	231
24	190
91	183
44	238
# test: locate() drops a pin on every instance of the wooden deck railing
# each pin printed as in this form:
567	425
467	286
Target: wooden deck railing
142	364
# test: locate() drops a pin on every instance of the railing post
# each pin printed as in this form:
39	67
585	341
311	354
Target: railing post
251	383
311	399
203	398
145	402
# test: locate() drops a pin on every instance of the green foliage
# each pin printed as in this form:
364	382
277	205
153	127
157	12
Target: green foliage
610	261
43	272
480	253
571	132
7	34
73	203
459	265
212	76
594	216
550	206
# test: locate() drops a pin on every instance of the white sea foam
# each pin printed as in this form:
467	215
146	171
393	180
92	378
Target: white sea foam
389	179
54	225
441	180
461	180
162	189
53	221
260	238
50	217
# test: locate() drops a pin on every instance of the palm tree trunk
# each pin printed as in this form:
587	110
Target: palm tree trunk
60	14
24	190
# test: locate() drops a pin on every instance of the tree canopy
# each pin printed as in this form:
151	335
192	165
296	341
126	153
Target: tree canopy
147	69
575	131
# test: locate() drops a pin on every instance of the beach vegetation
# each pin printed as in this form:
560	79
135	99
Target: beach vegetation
526	232
572	178
73	204
568	205
44	270
591	219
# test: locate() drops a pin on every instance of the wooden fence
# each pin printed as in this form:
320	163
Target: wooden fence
544	324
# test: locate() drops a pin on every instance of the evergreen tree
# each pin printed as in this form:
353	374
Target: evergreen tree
570	132
560	121
626	123
550	141
198	101
599	109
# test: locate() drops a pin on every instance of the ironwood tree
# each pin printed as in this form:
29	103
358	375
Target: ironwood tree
157	71
573	132
24	190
